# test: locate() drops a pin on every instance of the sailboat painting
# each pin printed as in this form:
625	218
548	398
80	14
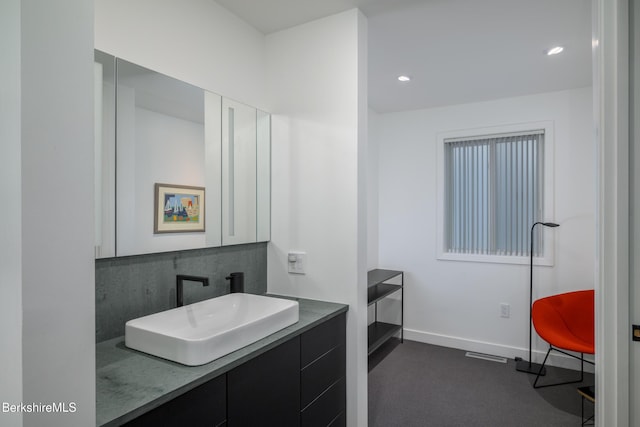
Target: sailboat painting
178	209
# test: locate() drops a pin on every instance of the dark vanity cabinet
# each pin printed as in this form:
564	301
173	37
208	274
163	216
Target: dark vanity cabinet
322	376
265	391
205	405
300	382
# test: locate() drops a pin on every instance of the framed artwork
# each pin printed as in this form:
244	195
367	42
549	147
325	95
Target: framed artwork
178	209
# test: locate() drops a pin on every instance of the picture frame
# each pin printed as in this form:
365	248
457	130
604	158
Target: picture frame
178	209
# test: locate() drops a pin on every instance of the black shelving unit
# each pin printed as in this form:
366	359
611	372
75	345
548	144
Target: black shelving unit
379	332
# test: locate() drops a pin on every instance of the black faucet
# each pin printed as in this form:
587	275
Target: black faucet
182	277
237	282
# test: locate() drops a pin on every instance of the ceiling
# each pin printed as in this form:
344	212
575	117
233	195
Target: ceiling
455	51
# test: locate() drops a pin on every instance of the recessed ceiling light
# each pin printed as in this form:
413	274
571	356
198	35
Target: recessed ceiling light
404	78
555	50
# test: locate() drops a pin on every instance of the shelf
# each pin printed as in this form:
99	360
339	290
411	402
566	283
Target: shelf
378	333
378	275
376	292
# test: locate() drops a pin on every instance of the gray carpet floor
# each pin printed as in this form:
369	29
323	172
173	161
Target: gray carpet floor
422	385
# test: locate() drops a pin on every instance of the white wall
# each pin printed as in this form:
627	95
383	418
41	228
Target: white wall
457	303
315	75
10	230
196	41
58	332
372	192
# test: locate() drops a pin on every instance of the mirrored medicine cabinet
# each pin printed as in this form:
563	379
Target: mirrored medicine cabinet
171	154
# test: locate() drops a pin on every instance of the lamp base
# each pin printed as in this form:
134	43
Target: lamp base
529	368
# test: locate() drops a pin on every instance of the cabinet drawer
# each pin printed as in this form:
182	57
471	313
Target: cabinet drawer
321	373
205	405
265	391
322	338
323	411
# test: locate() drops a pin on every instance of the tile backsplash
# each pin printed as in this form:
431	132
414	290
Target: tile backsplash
135	286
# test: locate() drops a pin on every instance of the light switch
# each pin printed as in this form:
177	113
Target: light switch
297	262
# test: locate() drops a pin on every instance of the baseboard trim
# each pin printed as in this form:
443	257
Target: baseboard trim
555	358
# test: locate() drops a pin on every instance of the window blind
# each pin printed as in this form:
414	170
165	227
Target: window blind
494	193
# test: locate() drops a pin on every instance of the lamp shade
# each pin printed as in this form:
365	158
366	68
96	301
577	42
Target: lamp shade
550	224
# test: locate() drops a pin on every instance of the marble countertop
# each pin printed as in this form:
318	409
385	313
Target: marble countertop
130	383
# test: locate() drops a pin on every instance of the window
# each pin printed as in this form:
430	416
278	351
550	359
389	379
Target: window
493	190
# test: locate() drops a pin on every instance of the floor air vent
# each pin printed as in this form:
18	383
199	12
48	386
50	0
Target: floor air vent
488	357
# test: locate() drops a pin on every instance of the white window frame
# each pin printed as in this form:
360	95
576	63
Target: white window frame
548	210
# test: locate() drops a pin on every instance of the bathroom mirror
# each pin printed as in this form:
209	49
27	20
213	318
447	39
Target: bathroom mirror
246	173
155	129
160	139
263	176
104	152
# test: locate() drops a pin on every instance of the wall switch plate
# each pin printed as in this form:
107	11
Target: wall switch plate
505	310
297	262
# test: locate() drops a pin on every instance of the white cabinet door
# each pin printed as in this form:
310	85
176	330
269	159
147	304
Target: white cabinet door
213	165
264	177
239	155
105	155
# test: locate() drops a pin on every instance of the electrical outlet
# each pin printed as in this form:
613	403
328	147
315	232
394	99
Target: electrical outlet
505	310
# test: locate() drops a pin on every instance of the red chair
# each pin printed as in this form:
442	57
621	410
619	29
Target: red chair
566	322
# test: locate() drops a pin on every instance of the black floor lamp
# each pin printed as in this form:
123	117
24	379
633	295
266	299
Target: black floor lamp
523	365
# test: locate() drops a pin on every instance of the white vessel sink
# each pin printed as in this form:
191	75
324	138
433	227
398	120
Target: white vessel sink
199	333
